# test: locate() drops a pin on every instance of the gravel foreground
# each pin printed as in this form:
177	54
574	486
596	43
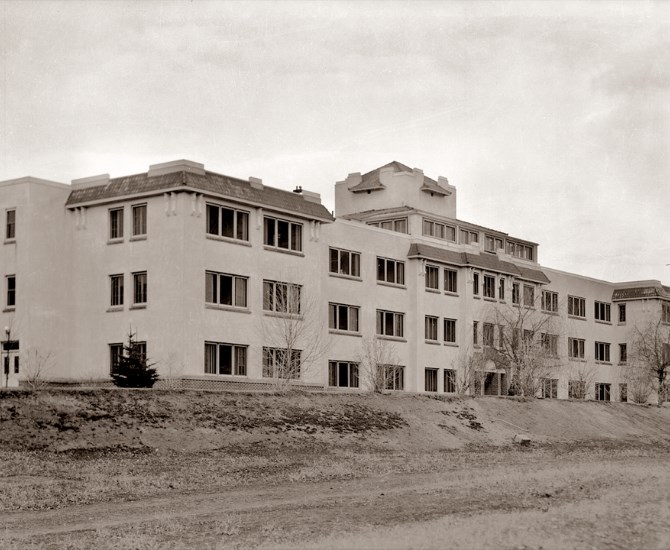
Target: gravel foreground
118	469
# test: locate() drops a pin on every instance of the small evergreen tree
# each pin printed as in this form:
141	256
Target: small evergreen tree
132	369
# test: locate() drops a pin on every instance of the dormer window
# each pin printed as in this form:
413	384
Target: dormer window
439	230
469	237
398	225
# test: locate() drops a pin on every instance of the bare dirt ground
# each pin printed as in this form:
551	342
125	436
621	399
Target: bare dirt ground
329	471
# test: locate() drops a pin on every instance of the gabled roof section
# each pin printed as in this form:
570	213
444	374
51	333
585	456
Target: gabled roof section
371	180
206	182
483	261
641	293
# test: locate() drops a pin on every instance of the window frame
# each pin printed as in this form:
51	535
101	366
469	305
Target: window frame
294	234
605	389
10	224
432	380
432	276
602	311
394	223
239	359
577	306
398	271
335	372
622	314
489	286
550	301
140	288
578	344
10	291
529	295
116	228
451	280
449	381
117	290
665	314
429	228
214	284
240	222
289	290
602	352
354	262
140	220
623	353
431	328
393	377
270	368
449	326
397	323
335	317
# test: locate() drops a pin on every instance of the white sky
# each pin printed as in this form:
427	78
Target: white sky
552	119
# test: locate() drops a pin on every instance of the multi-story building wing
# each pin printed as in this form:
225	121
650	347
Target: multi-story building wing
232	280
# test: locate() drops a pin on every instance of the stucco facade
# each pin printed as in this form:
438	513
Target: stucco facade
196	264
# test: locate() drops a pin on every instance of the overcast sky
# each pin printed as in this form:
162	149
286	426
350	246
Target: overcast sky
552	120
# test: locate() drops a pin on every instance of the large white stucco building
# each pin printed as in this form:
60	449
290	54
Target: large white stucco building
198	265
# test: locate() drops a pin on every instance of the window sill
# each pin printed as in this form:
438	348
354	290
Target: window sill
602	322
391	338
9	309
450	344
230	240
283	251
502	301
432	342
392	285
602	363
114	241
577	359
486	299
114	308
223	307
577	317
295	316
345	332
476	297
138	238
433	290
449	293
138	306
344	276
546	312
10	241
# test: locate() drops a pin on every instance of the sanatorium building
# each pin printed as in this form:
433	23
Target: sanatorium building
203	267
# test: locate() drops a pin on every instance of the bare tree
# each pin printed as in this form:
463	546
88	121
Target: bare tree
582	375
651	351
293	332
374	360
639	384
468	372
525	346
36	366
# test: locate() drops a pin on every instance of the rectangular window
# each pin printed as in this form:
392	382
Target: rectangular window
390	323
623	354
576	306
342	374
345	262
432	277
439	230
550	301
450	280
576	389
489	286
492	244
225	289
528	296
449	381
115	354
488	335
139	220
501	289
281	363
622	313
11	290
140	288
550	388
602	311
602	392
10	225
602	352
343	317
116	282
393	377
469	237
390	271
516	298
519	250
282	234
398	225
281	297
475	333
115	223
430	380
576	348
450	331
431	328
665	313
227	359
623	393
224	221
475	284
550	343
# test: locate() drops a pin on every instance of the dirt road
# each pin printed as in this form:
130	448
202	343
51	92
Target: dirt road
499	500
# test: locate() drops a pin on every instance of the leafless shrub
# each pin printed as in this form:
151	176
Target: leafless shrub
36	366
375	356
651	355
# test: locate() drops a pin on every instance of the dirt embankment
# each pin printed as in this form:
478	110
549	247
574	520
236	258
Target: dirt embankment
192	421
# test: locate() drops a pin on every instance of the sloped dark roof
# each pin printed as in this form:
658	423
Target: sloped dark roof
484	261
641	292
371	182
208	182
